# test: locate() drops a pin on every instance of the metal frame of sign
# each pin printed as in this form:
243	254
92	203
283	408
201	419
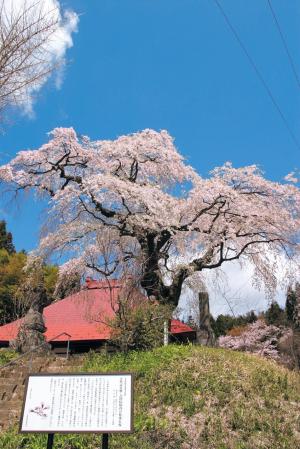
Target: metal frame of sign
113	373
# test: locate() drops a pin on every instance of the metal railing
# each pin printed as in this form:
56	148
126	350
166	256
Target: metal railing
31	351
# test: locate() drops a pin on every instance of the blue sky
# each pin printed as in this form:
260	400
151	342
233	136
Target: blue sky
175	65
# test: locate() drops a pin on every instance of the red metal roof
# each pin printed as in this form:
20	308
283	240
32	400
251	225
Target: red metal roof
83	316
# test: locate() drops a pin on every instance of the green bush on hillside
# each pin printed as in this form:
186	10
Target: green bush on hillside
139	326
6	355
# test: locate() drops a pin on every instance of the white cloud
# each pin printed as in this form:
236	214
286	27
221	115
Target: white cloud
55	48
237	294
231	289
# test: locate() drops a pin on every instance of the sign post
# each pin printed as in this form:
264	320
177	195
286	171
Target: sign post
78	403
50	440
105	441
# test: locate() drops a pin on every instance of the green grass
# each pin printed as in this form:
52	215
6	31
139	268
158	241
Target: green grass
189	397
6	355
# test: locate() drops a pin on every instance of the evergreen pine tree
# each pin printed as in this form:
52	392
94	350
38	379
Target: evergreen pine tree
6	241
296	317
275	315
290	305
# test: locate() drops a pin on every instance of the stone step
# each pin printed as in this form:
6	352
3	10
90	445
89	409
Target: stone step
10	412
14	393
13	379
10	395
11	373
58	369
14	404
22	369
10	419
7	383
25	364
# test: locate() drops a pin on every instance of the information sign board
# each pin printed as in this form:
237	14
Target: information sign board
74	403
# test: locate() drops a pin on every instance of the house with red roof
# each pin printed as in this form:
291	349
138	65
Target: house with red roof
82	320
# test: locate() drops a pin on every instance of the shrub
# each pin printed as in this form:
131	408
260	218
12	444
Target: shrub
6	355
140	326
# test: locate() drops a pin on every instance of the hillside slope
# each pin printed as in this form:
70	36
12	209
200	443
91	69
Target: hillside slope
189	397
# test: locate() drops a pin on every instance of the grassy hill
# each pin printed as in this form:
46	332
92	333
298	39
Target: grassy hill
189	397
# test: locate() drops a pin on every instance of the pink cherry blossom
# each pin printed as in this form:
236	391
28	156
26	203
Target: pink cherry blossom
258	338
133	204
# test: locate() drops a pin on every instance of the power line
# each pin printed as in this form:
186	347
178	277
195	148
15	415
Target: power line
258	74
290	58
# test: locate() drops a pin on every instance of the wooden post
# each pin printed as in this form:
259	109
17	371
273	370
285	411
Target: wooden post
68	348
50	440
105	441
166	333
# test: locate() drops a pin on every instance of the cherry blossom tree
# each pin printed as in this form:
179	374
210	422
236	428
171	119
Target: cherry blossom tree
275	342
133	204
258	338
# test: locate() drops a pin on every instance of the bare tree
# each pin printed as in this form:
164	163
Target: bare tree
25	44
